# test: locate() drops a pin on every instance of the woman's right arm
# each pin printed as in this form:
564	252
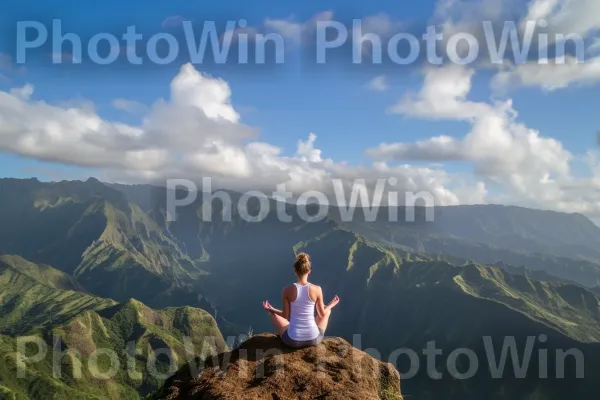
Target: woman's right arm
321	309
286	305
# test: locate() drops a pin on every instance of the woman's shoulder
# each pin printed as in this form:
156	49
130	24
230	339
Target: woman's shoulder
289	288
315	288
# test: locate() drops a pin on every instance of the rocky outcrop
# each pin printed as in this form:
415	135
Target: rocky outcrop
263	369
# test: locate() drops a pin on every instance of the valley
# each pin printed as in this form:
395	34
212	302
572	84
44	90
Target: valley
101	266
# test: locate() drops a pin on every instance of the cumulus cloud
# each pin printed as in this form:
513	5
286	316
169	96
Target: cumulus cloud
374	30
378	84
291	29
441	148
530	169
566	17
549	77
306	150
129	106
467	15
381	24
574	21
23	93
497	142
196	133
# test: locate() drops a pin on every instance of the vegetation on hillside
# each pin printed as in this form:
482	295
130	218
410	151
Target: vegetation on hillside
144	340
476	271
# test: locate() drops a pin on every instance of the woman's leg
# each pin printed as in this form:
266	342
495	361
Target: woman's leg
281	324
323	321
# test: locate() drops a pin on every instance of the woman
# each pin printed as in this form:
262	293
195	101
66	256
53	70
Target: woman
297	324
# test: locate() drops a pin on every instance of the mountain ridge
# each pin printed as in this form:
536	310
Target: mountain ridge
85	324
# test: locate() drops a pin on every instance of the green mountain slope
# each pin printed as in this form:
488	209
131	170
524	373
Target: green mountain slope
39	382
89	327
569	309
29	301
401	284
425	238
92	232
40	273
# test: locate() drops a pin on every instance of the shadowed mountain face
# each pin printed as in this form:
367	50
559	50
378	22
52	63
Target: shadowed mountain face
564	245
506	227
93	233
401	284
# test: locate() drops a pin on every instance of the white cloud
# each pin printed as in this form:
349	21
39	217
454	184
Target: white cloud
291	29
581	17
379	27
441	148
531	170
594	46
23	93
381	24
197	132
378	84
307	151
570	18
208	94
129	106
549	77
466	16
443	96
566	17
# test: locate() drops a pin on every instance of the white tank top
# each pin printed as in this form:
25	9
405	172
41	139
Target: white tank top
303	326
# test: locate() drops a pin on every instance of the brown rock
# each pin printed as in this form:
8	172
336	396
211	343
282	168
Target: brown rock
264	369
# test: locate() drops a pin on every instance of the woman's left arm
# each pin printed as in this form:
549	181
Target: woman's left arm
286	306
285	313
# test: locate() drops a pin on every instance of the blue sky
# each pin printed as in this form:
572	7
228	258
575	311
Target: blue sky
286	103
255	91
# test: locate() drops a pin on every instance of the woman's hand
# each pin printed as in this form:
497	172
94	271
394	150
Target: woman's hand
333	302
267	306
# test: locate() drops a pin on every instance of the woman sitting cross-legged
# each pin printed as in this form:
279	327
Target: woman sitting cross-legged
297	324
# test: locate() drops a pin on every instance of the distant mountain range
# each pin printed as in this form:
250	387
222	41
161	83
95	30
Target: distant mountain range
75	253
